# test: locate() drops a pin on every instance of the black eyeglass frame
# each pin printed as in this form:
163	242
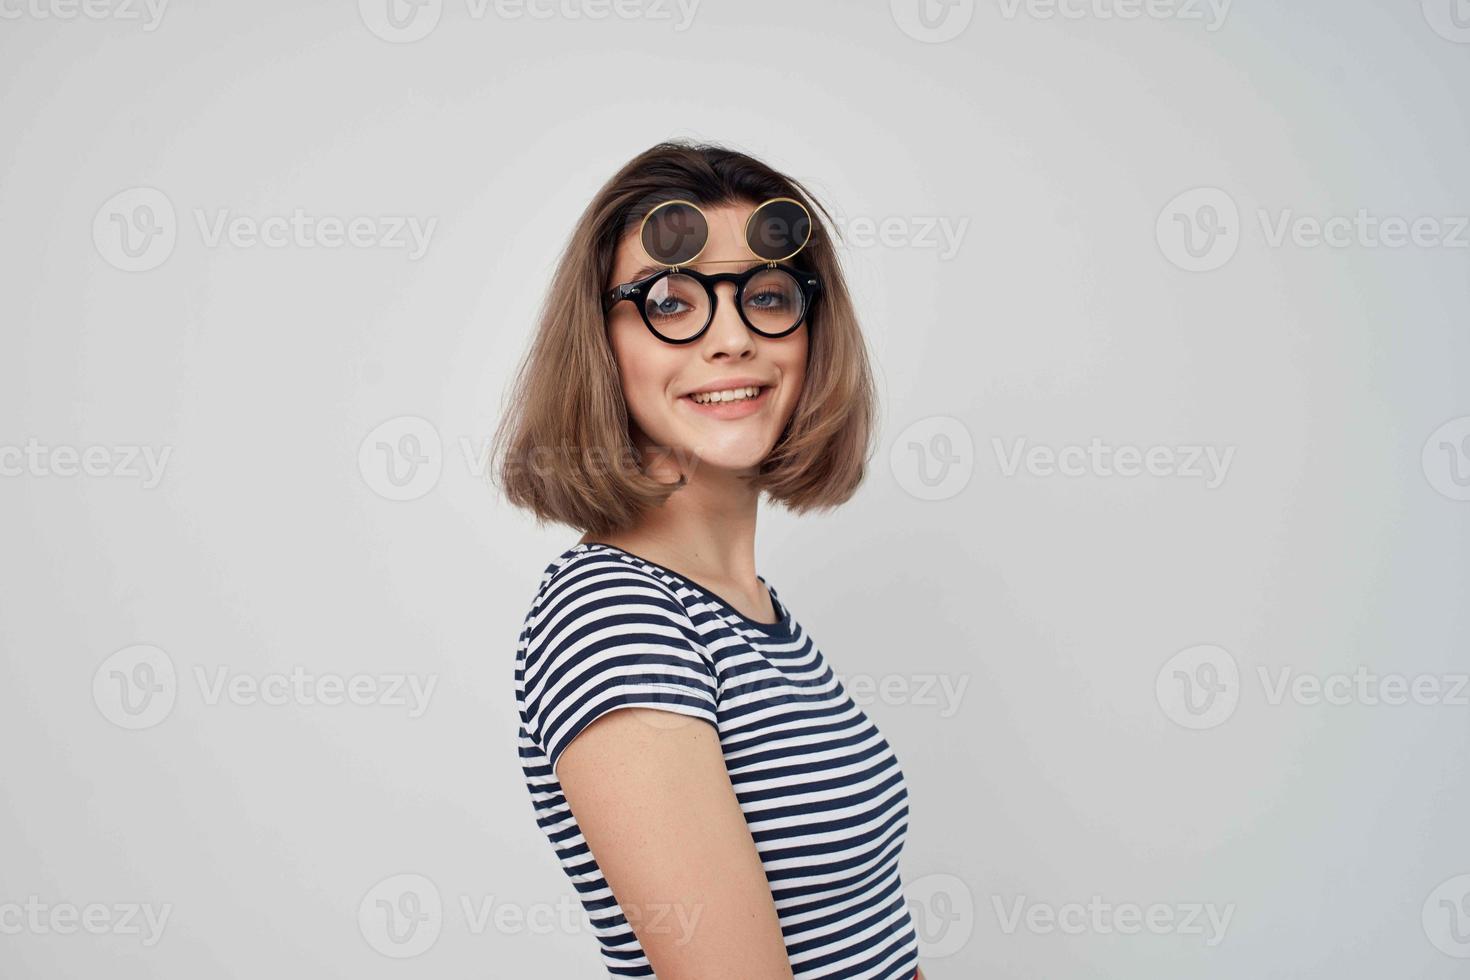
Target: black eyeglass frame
809	283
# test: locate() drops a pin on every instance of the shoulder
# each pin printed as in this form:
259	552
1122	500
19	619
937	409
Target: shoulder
606	634
593	586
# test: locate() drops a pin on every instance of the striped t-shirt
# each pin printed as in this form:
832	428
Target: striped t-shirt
821	791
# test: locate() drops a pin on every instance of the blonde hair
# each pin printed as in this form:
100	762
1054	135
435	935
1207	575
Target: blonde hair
564	448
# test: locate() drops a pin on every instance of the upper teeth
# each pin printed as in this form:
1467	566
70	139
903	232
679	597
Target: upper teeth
728	395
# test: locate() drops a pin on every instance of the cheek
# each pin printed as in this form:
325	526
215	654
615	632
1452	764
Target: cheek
644	366
793	364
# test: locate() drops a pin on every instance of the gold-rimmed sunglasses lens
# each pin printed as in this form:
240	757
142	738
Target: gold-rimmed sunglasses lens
778	229
674	233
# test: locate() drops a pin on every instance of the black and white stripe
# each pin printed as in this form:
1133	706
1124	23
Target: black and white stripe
819	786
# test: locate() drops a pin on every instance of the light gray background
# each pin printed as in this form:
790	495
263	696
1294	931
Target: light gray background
1332	832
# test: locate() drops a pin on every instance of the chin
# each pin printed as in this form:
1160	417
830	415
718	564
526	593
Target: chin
725	457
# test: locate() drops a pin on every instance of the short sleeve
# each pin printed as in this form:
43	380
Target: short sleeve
609	636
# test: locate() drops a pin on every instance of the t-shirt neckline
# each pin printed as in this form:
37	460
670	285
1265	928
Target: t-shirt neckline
782	626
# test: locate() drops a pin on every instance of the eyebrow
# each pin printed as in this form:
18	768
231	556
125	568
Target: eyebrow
649	270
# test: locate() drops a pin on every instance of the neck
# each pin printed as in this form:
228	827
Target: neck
705	530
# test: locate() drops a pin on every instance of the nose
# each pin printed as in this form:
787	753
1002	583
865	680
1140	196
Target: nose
728	336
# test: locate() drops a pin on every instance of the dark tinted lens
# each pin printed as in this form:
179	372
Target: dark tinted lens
778	230
674	233
677	306
773	301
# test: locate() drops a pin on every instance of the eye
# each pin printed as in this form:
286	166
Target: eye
674	297
668	306
772	293
768	299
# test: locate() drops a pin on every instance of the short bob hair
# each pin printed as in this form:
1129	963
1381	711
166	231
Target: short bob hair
564	448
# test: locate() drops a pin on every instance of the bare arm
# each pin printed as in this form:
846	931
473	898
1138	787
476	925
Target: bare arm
651	795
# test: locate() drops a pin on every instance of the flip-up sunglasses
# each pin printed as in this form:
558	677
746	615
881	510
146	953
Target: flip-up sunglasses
678	304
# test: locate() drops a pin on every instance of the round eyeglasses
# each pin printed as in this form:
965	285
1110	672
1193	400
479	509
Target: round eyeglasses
678	305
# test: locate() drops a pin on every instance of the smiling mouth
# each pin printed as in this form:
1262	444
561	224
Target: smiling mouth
727	396
732	403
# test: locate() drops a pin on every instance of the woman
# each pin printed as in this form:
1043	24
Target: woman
721	805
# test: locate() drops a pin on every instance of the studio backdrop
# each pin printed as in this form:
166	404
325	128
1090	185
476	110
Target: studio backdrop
1156	583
